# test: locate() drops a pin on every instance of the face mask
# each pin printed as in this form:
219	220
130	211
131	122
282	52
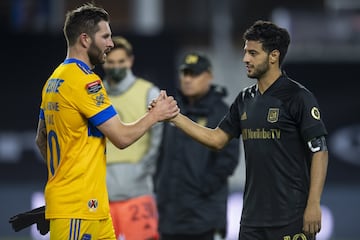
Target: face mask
116	74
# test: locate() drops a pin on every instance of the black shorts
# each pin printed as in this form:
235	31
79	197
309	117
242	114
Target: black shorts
293	231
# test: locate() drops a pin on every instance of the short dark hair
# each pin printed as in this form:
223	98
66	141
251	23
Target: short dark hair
83	19
270	35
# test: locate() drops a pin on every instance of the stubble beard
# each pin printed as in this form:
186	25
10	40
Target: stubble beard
96	56
260	70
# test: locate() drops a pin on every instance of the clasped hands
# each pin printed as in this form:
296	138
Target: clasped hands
164	107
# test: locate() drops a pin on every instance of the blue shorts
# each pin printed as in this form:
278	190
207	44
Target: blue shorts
81	229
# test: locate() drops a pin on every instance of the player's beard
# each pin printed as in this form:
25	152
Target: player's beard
260	69
96	56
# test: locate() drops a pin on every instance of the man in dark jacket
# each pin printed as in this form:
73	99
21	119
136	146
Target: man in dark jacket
192	180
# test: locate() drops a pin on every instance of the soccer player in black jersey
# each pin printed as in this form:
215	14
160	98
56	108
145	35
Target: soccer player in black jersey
284	141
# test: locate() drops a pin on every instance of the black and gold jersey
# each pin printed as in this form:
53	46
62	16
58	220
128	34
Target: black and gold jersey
275	127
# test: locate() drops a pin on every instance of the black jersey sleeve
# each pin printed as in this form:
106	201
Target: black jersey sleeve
307	113
231	121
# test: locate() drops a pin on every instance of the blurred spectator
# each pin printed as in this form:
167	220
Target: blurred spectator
192	180
130	171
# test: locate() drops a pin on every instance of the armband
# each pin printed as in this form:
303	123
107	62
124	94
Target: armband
317	144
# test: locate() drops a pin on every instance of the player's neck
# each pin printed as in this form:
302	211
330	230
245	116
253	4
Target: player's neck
268	79
73	52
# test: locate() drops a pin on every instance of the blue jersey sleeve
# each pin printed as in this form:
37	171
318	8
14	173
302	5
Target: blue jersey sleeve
103	116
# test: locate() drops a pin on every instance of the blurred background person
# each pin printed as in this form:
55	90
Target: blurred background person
192	180
129	171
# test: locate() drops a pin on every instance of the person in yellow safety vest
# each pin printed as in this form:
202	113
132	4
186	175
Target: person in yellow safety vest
130	170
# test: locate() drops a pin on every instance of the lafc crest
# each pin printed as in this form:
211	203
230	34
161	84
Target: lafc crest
273	115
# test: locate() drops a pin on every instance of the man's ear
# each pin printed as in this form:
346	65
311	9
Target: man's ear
274	56
85	40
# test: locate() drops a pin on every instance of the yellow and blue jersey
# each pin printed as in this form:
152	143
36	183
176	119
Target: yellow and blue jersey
74	102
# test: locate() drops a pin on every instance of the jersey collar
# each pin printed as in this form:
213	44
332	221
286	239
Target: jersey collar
79	63
273	86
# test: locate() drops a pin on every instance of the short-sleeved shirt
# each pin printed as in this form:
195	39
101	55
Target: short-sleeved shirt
74	102
275	127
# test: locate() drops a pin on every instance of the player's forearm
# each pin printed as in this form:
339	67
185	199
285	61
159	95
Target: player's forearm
122	134
137	129
206	136
317	176
42	149
41	139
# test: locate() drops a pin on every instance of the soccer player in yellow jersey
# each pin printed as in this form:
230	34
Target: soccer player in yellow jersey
75	117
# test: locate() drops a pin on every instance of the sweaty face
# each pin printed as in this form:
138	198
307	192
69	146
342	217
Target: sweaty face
101	44
195	86
256	59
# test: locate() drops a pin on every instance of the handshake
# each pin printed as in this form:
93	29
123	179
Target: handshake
164	107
